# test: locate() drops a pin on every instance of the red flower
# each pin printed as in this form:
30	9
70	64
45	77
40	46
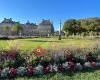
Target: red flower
46	70
70	57
71	66
29	71
94	65
12	72
12	54
39	51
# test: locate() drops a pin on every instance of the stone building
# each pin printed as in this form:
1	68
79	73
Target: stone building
45	28
30	29
6	22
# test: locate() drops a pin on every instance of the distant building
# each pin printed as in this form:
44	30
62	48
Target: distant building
45	28
30	29
6	22
57	33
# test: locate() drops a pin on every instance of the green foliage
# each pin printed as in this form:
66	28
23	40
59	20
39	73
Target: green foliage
6	30
9	63
19	61
72	26
17	28
82	25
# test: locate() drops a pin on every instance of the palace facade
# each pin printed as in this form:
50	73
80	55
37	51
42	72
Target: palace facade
44	28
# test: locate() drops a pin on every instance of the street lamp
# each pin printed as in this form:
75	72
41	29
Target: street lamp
60	32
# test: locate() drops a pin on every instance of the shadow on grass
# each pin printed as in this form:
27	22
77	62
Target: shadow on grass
41	41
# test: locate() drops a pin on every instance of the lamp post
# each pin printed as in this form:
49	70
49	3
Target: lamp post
60	32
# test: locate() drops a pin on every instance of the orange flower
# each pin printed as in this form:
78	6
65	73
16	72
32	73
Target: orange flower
39	51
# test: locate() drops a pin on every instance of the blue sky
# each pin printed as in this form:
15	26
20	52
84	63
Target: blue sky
56	10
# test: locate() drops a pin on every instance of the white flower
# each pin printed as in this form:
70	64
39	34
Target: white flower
98	64
21	71
87	65
65	65
5	72
51	68
39	69
78	66
55	68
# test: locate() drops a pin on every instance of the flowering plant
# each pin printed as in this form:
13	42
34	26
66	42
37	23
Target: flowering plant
39	51
78	67
21	71
13	64
90	58
30	70
38	70
70	57
87	65
12	54
71	66
46	69
12	72
5	73
55	68
65	65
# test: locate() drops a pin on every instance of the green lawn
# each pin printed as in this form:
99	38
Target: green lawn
28	44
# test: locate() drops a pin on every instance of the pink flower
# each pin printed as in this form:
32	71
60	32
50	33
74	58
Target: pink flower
47	70
12	54
29	71
12	72
94	65
71	66
70	58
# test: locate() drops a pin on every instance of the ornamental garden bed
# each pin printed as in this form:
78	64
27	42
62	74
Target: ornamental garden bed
39	62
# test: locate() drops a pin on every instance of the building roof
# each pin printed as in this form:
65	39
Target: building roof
30	24
45	22
8	20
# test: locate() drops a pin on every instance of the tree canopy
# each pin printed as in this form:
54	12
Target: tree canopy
17	28
74	26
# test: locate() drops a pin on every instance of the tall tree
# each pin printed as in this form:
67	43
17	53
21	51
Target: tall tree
17	28
82	25
72	26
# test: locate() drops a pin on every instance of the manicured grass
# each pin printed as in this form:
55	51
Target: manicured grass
28	44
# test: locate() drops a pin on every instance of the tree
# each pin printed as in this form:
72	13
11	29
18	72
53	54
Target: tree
97	30
72	26
6	30
17	29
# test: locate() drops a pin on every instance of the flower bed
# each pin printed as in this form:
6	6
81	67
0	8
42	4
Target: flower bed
14	64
